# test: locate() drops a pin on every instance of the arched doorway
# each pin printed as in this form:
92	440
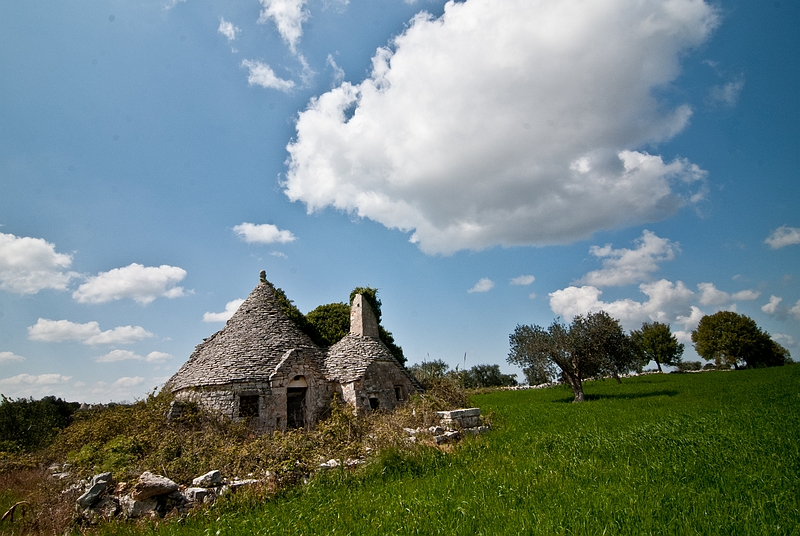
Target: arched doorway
296	392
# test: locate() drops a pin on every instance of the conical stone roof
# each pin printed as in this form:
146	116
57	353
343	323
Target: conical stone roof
348	359
248	348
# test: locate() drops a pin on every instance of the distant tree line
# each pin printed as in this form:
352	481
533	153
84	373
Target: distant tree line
595	345
431	373
27	424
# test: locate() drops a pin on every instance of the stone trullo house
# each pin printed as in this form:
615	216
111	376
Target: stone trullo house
262	367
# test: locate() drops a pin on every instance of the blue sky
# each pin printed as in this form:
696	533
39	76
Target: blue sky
482	163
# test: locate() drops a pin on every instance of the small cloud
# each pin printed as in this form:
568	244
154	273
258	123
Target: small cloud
278	254
230	308
785	340
783	236
41	379
532	295
143	284
262	75
338	72
624	266
289	16
726	95
126	355
28	265
711	295
228	29
158	357
264	233
795	311
771	307
127	382
483	285
172	3
89	333
8	357
523	280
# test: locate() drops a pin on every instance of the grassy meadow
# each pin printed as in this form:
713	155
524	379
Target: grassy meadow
710	453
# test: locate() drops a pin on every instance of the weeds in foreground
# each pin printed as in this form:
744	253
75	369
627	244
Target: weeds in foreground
128	440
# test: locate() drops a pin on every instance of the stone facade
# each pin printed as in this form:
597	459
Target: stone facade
261	367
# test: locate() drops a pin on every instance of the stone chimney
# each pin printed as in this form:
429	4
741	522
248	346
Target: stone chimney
362	318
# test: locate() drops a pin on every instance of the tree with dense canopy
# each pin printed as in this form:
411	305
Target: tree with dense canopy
655	342
732	339
593	345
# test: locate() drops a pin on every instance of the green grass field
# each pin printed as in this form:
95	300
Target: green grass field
711	453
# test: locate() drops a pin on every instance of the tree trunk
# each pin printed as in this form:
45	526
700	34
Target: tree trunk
658	365
577	387
616	377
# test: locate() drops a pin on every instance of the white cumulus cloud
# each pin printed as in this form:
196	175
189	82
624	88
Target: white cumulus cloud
511	122
228	29
140	283
262	75
264	233
288	16
41	379
28	265
711	295
230	308
8	357
88	333
127	382
483	285
126	355
666	301
771	307
783	236
726	94
624	266
795	310
523	280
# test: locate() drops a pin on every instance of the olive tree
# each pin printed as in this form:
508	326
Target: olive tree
729	338
655	342
591	346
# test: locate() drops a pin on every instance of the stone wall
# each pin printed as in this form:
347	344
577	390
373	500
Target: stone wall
383	384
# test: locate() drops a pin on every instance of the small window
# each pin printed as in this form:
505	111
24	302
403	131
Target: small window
248	406
399	392
373	402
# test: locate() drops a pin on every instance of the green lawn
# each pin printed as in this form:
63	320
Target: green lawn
711	453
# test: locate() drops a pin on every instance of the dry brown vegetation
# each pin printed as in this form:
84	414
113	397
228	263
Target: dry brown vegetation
128	440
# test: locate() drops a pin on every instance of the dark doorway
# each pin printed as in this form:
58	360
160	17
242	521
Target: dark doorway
373	403
296	407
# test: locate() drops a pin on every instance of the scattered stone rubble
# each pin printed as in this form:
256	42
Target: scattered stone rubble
453	425
152	495
155	495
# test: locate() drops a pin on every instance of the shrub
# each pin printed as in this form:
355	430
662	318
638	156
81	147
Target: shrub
685	366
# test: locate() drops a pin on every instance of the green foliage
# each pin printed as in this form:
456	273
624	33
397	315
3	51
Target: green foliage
428	373
660	454
593	345
293	313
487	376
685	366
655	342
732	339
331	322
28	424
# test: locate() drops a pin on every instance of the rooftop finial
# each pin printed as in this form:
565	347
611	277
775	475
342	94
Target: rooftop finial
263	276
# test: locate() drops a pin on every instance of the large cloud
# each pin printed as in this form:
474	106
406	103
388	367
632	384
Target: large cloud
230	308
88	333
513	122
141	283
28	265
783	236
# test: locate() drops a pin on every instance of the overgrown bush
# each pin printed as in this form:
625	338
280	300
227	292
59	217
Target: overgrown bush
686	366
